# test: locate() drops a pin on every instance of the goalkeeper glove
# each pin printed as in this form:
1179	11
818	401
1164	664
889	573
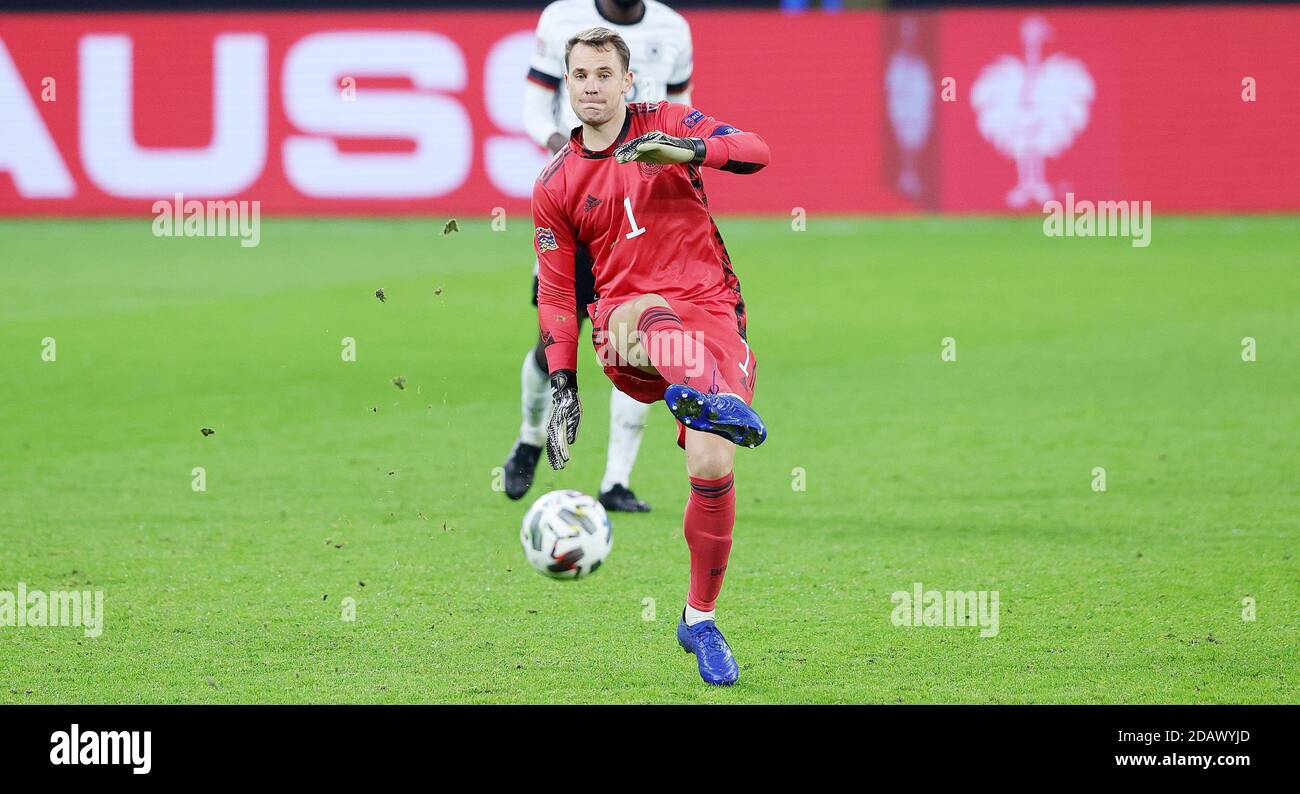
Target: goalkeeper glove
659	147
563	427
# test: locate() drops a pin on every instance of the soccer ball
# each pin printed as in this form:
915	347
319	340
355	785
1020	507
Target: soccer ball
566	534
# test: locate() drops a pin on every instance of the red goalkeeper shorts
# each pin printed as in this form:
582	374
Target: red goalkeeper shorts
717	327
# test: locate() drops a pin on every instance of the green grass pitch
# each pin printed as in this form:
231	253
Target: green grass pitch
325	481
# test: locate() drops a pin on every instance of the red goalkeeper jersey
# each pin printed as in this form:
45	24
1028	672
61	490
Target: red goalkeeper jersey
647	226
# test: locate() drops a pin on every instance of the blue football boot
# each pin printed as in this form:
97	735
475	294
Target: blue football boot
717	665
723	415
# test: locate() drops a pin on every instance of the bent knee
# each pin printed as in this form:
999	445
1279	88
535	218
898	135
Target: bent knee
623	322
651	299
633	308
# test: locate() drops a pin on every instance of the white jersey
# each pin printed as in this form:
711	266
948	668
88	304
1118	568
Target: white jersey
660	44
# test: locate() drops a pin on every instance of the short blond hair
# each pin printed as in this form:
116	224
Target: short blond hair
600	38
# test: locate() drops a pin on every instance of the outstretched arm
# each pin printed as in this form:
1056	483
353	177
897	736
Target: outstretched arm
697	139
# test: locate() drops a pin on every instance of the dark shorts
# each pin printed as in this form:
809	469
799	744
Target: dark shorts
584	283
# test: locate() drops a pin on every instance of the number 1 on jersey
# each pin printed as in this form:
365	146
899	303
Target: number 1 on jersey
636	231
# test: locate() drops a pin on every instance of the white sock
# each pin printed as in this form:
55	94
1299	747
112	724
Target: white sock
535	400
694	615
626	426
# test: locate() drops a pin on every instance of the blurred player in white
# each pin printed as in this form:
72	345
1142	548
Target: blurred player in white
660	43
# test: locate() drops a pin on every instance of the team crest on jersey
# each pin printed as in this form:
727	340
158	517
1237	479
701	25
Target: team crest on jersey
546	240
650	169
692	118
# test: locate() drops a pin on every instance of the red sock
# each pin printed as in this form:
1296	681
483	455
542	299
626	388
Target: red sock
680	357
710	515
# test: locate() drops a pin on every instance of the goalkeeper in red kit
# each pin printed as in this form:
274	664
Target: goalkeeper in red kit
668	322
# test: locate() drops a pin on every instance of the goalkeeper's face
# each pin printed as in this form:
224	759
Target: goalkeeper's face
597	83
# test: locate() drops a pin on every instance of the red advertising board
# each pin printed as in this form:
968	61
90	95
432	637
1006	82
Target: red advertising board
1193	108
1167	121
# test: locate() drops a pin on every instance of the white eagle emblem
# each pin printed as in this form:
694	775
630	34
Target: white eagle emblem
1032	109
